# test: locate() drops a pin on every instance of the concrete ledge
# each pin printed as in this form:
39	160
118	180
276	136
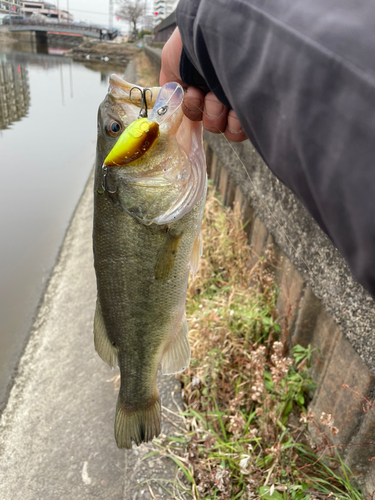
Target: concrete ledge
56	432
295	232
154	55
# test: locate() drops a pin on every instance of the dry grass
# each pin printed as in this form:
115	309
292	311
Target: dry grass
243	397
148	74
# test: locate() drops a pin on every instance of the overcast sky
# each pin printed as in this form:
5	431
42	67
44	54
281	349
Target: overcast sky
94	11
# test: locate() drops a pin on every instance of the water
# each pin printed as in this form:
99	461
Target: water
48	108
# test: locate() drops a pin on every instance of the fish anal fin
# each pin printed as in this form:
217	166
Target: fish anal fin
196	254
167	255
139	426
103	345
176	357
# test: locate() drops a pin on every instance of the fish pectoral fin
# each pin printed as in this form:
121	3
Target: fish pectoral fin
176	357
103	345
196	254
139	426
167	255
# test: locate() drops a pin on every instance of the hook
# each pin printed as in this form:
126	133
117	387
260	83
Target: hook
143	109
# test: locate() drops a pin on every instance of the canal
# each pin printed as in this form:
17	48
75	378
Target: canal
48	107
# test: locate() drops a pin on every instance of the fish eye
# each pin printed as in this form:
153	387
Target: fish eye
161	111
113	128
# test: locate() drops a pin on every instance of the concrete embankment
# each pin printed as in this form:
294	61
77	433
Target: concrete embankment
57	438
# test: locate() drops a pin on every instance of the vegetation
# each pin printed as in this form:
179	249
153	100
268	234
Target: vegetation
144	32
245	400
148	74
131	11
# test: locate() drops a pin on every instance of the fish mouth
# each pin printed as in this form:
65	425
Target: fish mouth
133	143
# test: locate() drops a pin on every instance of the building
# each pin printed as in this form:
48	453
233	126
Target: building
164	29
14	93
10	7
46	9
163	8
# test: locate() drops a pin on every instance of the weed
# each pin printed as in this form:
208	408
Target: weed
148	75
245	401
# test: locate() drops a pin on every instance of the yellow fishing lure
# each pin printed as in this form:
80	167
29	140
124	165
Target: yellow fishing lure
133	143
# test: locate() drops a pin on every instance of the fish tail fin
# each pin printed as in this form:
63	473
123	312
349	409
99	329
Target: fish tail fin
103	345
176	357
139	425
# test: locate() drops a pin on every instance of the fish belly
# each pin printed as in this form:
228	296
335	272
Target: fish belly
142	275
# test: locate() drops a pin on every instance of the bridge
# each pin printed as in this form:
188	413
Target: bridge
59	29
67	29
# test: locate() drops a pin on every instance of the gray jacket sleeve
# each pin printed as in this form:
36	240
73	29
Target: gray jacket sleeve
300	76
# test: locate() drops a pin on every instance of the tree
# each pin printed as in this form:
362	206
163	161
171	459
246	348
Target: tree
131	11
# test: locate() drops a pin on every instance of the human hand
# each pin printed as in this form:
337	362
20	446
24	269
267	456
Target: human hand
199	105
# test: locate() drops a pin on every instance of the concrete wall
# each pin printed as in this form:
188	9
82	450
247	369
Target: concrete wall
319	302
153	54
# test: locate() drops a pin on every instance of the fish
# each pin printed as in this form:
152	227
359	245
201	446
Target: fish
149	196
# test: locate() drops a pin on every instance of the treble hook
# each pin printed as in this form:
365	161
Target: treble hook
143	110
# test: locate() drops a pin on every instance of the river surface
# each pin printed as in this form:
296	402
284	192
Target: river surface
48	108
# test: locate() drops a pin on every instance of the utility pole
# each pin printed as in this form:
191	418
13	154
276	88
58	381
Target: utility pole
110	20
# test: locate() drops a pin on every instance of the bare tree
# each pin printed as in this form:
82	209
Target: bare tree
131	11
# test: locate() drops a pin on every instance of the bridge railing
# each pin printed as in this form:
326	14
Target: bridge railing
54	26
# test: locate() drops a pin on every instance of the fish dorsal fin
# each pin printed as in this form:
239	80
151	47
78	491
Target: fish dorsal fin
176	357
103	345
196	254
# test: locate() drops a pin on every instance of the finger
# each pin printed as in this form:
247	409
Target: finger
214	114
234	131
193	103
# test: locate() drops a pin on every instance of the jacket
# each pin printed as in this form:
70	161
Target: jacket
300	76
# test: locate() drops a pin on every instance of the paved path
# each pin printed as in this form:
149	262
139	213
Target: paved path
56	433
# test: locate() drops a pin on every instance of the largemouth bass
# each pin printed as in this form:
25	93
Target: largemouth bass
149	195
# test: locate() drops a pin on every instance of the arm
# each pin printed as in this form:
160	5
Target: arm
300	76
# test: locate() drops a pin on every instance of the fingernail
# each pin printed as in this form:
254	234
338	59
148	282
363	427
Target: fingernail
213	109
234	126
